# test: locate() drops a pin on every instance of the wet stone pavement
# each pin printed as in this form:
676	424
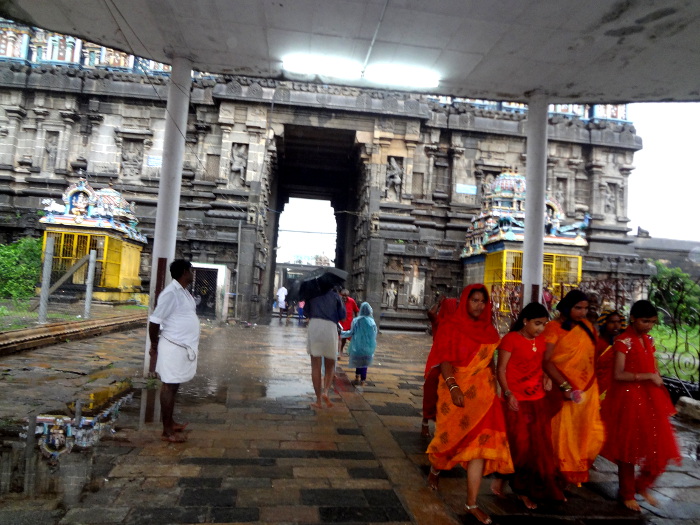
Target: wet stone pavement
256	451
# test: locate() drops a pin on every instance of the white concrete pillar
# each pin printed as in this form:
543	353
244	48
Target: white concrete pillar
165	232
536	180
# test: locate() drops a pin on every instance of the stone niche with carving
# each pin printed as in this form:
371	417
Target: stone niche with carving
132	145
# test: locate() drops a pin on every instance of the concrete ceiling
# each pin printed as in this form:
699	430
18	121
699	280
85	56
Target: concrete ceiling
574	50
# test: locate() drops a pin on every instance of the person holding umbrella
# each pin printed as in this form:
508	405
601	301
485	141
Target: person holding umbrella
325	311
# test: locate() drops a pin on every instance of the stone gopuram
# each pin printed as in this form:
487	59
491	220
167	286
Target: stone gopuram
405	173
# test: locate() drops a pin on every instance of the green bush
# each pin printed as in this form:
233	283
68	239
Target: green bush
20	268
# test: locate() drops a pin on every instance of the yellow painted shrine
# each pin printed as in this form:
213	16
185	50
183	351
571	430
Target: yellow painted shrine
102	221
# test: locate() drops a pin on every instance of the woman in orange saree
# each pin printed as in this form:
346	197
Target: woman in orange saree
470	426
577	429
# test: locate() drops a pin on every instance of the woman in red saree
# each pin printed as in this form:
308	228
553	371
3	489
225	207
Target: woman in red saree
470	427
610	324
528	419
577	430
638	407
446	307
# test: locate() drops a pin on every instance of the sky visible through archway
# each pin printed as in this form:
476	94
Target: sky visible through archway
664	187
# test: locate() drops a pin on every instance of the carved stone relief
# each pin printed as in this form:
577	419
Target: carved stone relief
394	177
132	157
610	198
239	160
51	149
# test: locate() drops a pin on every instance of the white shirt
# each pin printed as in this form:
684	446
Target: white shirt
281	294
176	315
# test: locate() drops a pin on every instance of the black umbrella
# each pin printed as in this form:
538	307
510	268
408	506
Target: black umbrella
317	282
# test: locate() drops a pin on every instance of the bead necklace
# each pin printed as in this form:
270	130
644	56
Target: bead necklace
533	339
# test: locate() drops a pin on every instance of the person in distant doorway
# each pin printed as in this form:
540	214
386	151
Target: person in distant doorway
282	300
351	310
173	329
324	313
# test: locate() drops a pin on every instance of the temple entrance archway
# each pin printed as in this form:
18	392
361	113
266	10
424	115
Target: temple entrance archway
318	163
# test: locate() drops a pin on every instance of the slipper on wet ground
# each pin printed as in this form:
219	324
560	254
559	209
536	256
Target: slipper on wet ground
173	438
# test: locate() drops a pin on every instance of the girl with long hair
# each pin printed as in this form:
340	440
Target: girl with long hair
528	419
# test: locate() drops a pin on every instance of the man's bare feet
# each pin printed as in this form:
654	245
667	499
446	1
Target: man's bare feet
651	500
173	438
327	400
317	404
632	505
528	502
479	514
433	478
180	427
497	486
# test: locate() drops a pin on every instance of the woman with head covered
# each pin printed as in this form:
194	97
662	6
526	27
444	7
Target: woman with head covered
569	360
470	427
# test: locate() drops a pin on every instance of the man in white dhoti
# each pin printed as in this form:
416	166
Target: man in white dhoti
174	332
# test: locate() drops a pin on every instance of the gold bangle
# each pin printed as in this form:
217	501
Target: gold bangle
453	387
448	378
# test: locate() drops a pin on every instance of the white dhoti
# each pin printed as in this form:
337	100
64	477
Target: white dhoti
322	339
174	364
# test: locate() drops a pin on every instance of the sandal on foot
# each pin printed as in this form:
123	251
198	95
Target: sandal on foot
479	514
180	427
651	500
433	478
173	438
425	430
632	505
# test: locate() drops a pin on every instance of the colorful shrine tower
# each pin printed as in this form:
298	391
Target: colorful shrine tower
493	253
103	221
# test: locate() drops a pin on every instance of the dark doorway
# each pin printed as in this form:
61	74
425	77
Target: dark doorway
204	291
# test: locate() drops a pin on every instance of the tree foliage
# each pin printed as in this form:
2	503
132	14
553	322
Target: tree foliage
676	294
20	268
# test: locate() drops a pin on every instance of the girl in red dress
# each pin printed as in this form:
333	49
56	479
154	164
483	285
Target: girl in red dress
528	420
638	408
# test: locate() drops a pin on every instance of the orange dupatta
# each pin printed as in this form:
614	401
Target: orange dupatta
577	429
476	430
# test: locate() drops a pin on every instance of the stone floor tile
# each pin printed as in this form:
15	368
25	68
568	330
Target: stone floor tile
321	472
233	515
258	497
208	497
289	514
95	515
166	515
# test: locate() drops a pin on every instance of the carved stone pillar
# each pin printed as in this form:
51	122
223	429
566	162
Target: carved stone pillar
596	200
407	185
625	171
458	166
40	137
225	163
202	130
63	151
428	184
15	116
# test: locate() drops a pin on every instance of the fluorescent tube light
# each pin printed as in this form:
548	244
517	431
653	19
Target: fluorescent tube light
322	65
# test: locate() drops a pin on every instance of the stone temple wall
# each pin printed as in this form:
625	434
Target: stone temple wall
420	169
